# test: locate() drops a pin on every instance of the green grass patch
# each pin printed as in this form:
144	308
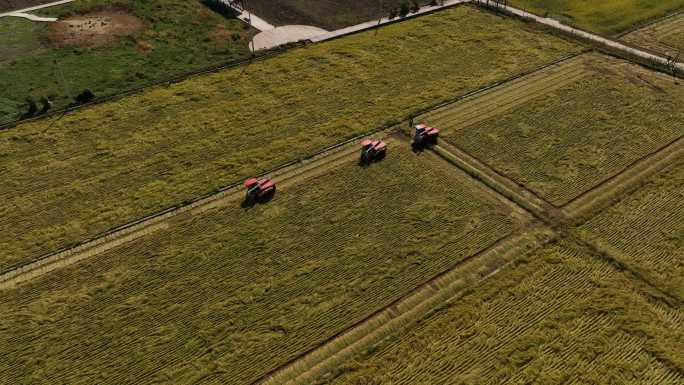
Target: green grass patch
565	141
70	178
178	36
236	292
608	17
558	316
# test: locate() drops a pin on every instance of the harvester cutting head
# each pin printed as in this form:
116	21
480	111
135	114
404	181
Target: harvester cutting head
372	150
259	190
425	135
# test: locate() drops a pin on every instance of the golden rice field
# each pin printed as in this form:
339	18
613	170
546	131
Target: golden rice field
570	128
235	292
65	180
558	317
646	231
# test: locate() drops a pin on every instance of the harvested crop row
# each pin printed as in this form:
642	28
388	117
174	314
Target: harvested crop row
563	142
236	292
68	179
666	37
646	231
557	315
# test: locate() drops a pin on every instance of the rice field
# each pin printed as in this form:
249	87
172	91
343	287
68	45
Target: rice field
557	317
226	296
646	231
67	179
608	17
569	128
666	37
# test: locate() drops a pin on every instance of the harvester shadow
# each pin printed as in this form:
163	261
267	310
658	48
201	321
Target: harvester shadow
265	198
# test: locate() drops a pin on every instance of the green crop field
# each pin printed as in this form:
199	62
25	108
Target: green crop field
608	16
666	37
177	36
70	178
328	14
646	231
235	292
565	133
558	317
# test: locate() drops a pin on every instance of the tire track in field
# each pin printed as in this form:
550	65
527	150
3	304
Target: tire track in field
506	187
284	177
410	307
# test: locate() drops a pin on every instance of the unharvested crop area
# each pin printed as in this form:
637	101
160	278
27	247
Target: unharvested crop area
666	37
561	316
608	16
70	178
570	128
230	294
161	39
646	231
328	14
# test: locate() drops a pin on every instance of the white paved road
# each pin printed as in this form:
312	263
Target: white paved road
610	43
25	12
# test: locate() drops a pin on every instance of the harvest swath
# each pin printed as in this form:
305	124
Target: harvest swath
67	179
560	316
231	294
569	128
646	231
666	36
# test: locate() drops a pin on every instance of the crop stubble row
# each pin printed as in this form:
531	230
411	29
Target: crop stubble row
281	296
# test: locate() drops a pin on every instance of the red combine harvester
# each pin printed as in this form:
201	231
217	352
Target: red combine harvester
259	190
372	150
425	135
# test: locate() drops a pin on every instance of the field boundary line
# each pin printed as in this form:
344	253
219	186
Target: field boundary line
616	187
651	23
409	308
284	176
625	50
59	113
607	252
392	125
501	184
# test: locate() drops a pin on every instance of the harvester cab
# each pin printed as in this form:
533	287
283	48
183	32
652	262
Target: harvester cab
372	150
425	135
259	190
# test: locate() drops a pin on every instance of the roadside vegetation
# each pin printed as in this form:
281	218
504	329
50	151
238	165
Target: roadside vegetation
107	47
230	294
573	129
609	17
560	316
67	179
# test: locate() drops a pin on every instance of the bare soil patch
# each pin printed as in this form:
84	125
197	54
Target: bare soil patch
96	29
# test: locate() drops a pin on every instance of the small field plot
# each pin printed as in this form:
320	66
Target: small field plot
559	317
646	231
666	37
328	14
608	17
569	128
235	292
67	179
